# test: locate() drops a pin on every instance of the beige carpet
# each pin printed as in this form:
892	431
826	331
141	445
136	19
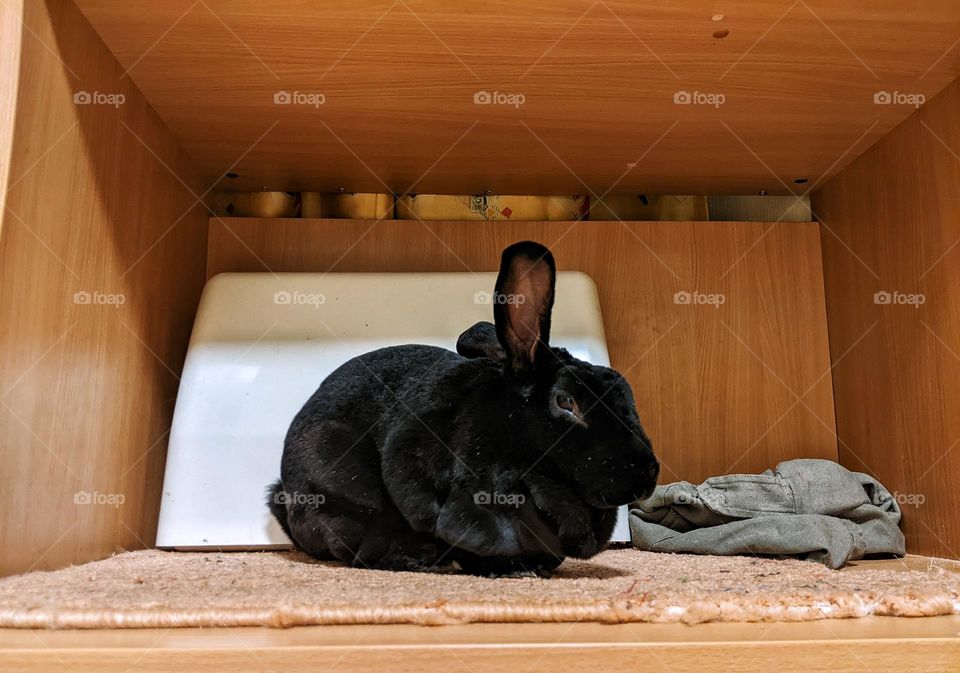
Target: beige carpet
170	589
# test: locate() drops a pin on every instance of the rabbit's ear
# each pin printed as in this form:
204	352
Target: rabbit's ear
522	302
480	341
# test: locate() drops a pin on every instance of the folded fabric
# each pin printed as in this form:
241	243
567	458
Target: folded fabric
808	507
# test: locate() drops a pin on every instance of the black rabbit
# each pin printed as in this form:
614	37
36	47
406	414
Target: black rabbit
504	458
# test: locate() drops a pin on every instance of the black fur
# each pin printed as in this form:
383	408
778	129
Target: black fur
505	461
480	341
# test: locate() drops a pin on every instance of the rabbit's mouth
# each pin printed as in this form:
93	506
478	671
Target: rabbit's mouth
603	500
598	502
638	481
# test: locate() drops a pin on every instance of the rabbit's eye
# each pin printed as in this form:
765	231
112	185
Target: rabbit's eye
568	407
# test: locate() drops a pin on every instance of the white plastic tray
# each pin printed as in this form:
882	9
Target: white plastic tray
261	345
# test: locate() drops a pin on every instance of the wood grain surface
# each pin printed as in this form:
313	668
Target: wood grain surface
102	252
891	225
598	80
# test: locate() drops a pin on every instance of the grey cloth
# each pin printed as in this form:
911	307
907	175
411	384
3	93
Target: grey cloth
809	507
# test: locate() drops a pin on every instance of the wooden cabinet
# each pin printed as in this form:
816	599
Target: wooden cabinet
838	338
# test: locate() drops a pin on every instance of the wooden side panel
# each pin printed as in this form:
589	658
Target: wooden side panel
102	251
891	225
717	384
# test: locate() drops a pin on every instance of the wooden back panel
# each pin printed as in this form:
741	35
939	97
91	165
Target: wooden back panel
891	225
98	208
716	385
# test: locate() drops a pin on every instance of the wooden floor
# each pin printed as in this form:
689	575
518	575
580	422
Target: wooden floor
904	645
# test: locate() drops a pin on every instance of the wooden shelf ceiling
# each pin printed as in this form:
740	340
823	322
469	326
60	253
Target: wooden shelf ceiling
598	80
